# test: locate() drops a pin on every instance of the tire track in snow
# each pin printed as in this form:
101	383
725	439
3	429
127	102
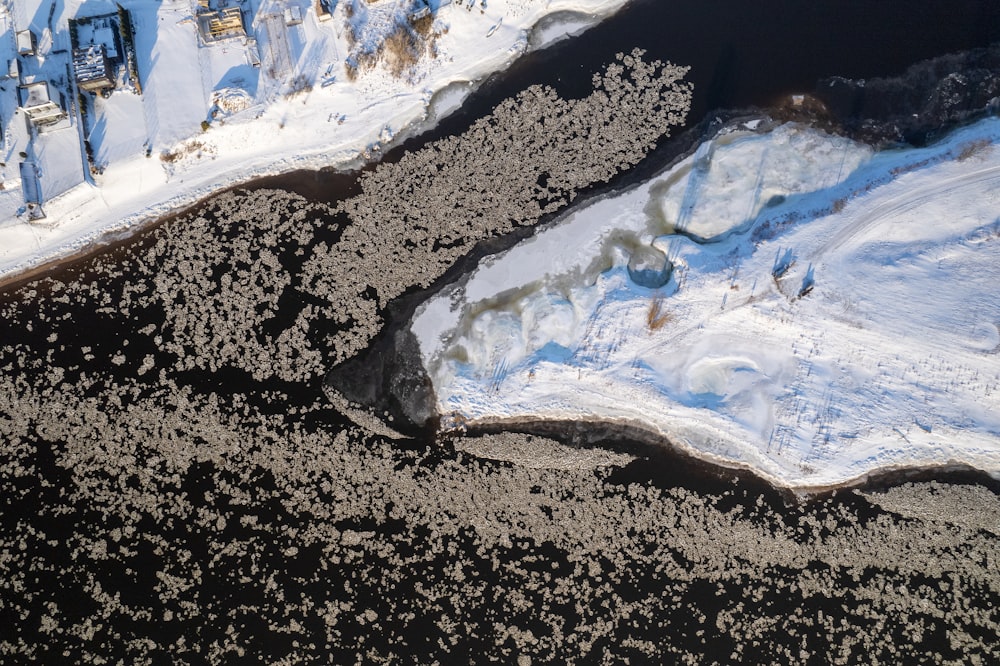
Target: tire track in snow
903	202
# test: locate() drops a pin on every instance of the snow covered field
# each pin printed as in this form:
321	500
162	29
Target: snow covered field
280	98
783	300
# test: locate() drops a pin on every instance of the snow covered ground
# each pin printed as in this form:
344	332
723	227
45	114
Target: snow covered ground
830	312
280	100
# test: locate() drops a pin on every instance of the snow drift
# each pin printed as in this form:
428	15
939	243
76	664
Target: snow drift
784	300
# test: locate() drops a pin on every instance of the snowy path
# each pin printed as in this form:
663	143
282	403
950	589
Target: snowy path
984	179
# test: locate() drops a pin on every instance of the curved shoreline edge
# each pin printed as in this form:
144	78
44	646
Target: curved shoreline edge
923	128
838	465
80	215
623	435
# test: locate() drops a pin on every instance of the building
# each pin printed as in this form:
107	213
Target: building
25	41
293	15
29	183
253	51
31	190
223	24
92	69
38	106
324	9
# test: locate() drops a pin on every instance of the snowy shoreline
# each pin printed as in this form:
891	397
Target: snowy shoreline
642	432
383	110
826	333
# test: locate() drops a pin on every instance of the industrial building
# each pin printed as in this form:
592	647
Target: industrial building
222	24
92	69
38	106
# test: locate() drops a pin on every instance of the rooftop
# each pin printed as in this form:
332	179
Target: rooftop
35	94
90	64
25	42
225	23
38	106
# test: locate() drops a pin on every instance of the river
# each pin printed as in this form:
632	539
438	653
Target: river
176	485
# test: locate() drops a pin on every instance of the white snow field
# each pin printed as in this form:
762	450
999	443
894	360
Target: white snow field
276	100
831	312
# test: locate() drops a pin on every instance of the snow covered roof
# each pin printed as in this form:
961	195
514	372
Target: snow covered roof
25	42
37	104
293	15
91	67
225	23
30	187
100	30
35	94
324	9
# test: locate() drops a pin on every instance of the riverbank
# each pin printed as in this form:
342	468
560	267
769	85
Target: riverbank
178	486
798	330
645	457
342	126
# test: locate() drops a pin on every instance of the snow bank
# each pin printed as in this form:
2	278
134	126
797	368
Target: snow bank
298	110
843	319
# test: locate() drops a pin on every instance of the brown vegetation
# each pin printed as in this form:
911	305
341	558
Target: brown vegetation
298	85
422	26
656	317
972	147
188	148
402	49
399	50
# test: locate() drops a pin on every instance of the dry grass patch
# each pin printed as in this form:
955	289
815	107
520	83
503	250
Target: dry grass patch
657	316
194	147
972	148
399	50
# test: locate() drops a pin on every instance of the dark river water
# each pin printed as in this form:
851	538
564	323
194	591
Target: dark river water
743	56
751	53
